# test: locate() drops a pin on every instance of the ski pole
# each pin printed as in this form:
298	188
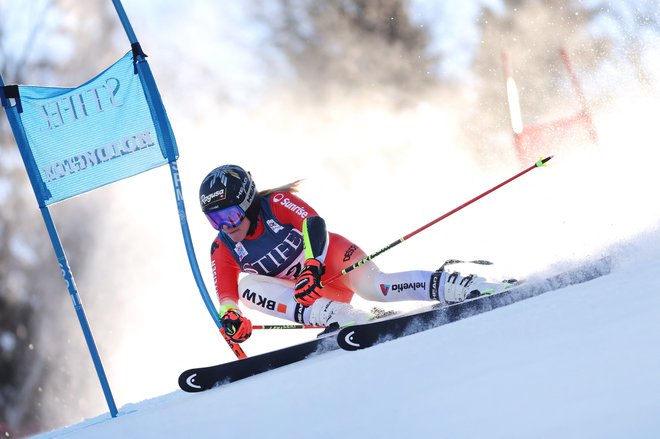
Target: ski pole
287	327
538	164
235	347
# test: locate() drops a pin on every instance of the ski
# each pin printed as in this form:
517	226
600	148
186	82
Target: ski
352	338
204	378
362	336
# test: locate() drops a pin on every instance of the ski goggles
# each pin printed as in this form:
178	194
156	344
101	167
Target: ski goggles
231	216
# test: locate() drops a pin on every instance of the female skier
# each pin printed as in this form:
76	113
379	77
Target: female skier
283	245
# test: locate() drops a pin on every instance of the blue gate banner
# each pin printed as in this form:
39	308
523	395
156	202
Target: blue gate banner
79	139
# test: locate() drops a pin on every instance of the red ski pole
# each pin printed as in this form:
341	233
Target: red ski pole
235	347
346	270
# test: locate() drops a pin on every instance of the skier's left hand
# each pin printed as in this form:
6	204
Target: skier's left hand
308	283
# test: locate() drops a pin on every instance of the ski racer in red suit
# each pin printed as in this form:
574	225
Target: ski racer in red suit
283	245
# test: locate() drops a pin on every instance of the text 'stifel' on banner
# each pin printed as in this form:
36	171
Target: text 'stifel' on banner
86	137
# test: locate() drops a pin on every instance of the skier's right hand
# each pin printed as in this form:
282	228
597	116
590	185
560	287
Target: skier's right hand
237	327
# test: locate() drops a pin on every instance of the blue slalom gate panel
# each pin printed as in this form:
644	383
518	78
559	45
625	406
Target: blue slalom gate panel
86	137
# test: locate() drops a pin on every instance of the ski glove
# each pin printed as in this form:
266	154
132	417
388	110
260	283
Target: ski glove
308	284
237	327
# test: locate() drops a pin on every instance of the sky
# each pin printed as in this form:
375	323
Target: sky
578	362
373	172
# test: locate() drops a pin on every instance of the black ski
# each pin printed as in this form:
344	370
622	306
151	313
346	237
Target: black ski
362	336
204	378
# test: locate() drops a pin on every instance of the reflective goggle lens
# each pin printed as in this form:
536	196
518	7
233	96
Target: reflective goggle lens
231	216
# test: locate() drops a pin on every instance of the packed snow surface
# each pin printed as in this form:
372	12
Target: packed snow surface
580	362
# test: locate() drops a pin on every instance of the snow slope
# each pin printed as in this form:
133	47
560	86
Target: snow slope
581	362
